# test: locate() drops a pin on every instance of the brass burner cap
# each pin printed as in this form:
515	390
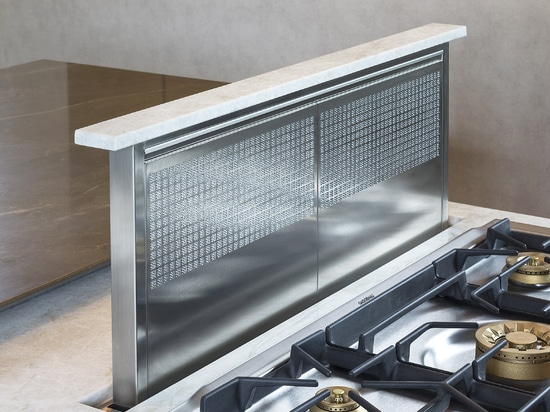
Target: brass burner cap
526	355
338	401
536	272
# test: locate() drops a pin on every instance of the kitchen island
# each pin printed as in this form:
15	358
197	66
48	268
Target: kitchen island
56	347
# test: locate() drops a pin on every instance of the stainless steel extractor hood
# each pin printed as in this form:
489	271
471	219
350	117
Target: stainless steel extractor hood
224	229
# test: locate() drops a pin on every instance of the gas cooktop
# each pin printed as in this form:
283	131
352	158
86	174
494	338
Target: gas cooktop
459	329
467	331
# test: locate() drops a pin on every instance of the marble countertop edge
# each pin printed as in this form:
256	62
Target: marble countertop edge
147	124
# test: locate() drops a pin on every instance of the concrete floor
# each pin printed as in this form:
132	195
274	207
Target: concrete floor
55	349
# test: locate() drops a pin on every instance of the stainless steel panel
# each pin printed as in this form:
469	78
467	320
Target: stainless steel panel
372	227
378	132
382	177
215	197
231	241
198	317
228	233
210	378
128	274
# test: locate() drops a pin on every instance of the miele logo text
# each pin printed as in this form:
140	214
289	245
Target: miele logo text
365	299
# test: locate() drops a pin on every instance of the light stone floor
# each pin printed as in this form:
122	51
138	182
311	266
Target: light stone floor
55	349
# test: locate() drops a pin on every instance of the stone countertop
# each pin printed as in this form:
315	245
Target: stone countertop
167	118
56	347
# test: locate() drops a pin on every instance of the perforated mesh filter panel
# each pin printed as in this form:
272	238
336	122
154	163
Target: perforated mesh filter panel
210	205
376	137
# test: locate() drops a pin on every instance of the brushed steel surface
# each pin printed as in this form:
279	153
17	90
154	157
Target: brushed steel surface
128	276
382	172
210	377
198	317
376	225
217	196
234	233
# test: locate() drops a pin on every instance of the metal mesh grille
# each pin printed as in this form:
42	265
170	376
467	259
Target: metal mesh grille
208	206
374	138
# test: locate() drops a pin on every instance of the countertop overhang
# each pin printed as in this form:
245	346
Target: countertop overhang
148	124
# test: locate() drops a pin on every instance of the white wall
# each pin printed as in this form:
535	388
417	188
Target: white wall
500	93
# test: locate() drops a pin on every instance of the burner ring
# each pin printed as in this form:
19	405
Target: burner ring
526	355
535	273
338	401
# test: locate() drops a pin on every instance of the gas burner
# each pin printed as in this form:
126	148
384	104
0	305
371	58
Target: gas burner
535	273
526	356
338	401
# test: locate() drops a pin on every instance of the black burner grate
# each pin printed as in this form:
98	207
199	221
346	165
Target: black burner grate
348	343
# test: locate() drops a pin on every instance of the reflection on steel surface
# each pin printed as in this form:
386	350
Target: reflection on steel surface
224	236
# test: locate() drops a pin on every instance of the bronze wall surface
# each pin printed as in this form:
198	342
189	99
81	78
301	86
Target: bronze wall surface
54	195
